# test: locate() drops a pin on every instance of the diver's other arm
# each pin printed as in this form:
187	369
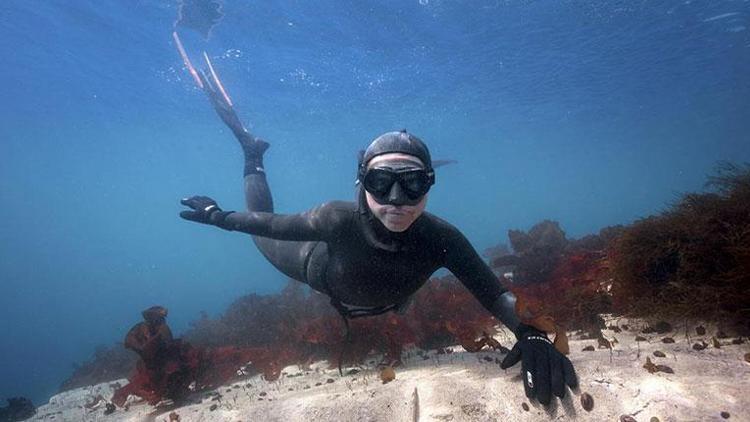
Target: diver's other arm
544	369
466	264
313	225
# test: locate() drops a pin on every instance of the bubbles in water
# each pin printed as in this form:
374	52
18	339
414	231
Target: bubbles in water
232	53
300	76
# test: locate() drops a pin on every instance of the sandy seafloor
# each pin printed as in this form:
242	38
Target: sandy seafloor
463	386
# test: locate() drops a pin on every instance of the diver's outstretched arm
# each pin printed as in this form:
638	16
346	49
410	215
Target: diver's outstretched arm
317	224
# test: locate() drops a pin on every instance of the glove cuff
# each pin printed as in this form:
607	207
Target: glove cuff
525	331
219	219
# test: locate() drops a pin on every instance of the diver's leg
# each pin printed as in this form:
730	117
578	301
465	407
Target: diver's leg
288	257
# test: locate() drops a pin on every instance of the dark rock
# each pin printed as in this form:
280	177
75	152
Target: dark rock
213	407
653	419
747	357
625	327
627	418
330	381
700	330
587	402
659	354
700	346
109	409
525	406
667	340
588	349
614	328
738	341
318	384
18	409
725	415
488	359
640	338
262	394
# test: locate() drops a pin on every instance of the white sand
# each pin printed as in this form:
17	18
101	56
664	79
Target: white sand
466	387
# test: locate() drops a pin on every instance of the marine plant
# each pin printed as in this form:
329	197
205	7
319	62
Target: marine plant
692	261
565	279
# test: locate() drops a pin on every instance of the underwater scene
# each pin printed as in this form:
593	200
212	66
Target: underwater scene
391	210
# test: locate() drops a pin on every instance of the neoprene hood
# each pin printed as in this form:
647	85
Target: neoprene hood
400	141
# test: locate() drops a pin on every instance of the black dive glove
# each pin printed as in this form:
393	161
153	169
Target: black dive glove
545	370
206	211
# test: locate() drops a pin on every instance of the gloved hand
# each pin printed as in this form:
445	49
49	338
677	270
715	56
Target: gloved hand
545	371
206	211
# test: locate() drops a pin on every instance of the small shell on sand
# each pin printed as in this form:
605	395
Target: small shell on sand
387	374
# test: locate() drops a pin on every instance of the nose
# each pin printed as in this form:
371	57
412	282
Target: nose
397	196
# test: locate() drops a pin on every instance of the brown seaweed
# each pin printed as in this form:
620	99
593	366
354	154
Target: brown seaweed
692	261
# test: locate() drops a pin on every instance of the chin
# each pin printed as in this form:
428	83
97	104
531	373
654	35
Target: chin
397	228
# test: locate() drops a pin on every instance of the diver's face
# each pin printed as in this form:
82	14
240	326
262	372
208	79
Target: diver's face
396	218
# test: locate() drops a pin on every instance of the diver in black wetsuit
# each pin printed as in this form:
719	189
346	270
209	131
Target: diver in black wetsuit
372	255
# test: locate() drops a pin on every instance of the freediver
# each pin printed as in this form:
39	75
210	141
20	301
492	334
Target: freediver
372	255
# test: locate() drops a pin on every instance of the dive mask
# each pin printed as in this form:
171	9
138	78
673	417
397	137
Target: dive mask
398	186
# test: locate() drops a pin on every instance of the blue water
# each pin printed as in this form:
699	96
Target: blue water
587	112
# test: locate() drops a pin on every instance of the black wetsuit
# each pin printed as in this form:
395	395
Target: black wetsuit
342	250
